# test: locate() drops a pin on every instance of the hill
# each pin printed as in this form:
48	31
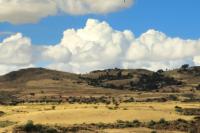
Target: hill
138	79
25	75
145	80
39	84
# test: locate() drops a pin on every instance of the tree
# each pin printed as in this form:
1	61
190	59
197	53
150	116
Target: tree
185	66
160	71
119	74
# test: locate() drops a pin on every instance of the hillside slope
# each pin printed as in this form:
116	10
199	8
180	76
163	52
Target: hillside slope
144	80
38	84
25	75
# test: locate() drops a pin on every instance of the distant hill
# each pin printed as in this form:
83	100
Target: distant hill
138	79
24	75
40	83
131	79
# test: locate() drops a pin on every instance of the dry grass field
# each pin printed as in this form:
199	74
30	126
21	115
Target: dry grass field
69	114
52	98
137	130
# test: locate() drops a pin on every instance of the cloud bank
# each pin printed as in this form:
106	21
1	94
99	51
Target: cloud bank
15	53
31	11
99	46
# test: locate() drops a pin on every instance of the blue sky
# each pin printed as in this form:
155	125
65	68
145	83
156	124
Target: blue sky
162	34
176	18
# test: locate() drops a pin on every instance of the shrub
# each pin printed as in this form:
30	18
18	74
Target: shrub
173	97
55	78
53	107
2	113
51	130
151	124
32	94
160	71
136	123
178	109
197	118
198	87
29	126
163	122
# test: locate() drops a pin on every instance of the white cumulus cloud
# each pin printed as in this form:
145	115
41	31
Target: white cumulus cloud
15	49
31	11
197	60
154	50
15	53
98	46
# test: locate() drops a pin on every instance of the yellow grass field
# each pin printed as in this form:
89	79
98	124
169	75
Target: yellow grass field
69	114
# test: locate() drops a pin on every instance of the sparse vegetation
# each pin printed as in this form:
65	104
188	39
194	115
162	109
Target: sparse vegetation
2	113
178	109
178	125
32	94
191	111
185	67
47	96
173	98
30	127
4	124
198	87
53	107
188	111
155	81
146	81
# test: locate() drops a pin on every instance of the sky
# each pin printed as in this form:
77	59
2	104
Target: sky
77	35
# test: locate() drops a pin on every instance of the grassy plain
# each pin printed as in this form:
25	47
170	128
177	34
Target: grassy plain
69	114
38	85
